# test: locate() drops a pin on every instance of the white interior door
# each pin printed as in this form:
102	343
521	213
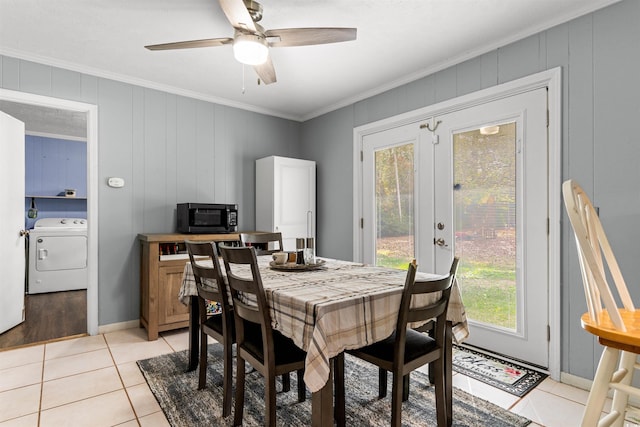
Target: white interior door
12	243
491	210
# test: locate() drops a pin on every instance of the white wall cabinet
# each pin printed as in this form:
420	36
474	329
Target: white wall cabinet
286	198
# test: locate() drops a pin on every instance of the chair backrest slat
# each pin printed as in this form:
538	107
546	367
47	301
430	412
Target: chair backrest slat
210	283
264	243
247	293
422	312
594	254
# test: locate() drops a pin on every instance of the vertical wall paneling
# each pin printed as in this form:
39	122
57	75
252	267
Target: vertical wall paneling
116	131
519	59
35	78
186	150
445	84
89	89
205	152
578	164
171	164
328	141
219	163
66	84
154	160
412	96
469	76
489	69
10	73
617	145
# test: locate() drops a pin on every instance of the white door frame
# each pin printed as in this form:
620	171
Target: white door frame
92	186
551	79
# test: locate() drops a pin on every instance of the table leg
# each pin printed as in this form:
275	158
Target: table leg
322	404
194	333
339	410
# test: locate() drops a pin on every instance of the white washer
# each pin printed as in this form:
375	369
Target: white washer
57	255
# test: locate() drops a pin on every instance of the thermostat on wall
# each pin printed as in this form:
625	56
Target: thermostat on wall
115	182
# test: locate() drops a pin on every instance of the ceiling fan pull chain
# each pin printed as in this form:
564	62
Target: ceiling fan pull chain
243	78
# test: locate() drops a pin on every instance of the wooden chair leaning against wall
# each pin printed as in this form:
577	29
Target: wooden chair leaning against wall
265	243
211	286
256	340
616	328
406	349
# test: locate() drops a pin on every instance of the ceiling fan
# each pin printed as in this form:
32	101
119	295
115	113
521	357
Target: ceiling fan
251	41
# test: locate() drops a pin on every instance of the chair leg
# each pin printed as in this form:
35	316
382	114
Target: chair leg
302	391
440	391
396	399
270	399
239	406
202	363
286	382
405	388
620	399
382	383
600	386
227	377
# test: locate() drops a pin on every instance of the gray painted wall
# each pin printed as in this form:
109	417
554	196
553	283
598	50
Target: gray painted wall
600	59
169	149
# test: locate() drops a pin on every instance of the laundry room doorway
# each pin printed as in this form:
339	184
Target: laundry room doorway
73	127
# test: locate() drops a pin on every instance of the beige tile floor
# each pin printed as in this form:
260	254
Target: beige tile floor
94	381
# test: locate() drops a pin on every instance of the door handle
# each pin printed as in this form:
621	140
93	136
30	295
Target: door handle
440	242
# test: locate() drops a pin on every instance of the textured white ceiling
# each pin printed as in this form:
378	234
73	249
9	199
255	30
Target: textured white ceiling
398	41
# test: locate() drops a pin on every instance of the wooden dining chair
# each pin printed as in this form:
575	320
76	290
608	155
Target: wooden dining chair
265	243
211	287
617	328
268	351
407	349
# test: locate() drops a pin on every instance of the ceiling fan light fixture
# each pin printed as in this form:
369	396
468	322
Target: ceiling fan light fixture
250	49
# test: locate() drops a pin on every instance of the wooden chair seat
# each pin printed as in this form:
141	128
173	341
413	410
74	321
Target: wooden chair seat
416	344
606	331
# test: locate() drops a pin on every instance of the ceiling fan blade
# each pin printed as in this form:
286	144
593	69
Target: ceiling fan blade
309	36
237	14
191	44
266	72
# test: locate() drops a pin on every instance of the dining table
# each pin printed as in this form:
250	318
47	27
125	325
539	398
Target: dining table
328	308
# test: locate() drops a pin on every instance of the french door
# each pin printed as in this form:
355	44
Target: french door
470	183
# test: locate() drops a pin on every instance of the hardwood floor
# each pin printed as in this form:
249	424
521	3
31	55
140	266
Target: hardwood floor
48	317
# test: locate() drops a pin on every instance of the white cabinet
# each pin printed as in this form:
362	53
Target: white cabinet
286	197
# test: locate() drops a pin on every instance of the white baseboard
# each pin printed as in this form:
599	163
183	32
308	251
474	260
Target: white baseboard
112	327
585	384
575	381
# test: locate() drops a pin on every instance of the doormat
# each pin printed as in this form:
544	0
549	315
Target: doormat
507	376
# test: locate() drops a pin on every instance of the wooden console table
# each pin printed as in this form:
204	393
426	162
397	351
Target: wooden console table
162	261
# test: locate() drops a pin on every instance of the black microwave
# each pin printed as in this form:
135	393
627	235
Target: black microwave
207	218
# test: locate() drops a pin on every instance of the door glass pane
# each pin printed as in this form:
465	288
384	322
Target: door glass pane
394	206
484	164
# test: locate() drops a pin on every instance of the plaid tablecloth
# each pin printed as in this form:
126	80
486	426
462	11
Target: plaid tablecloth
343	306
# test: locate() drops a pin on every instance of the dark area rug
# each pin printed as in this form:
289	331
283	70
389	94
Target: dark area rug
510	377
184	405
